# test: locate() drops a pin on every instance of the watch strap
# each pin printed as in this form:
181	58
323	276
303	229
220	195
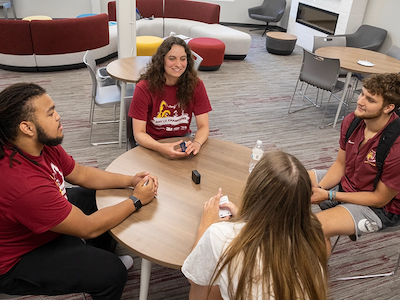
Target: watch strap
136	202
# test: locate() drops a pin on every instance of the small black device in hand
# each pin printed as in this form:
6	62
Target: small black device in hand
183	146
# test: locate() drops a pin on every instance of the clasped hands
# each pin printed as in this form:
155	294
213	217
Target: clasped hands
145	192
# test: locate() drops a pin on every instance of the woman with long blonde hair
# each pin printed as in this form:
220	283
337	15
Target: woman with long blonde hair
272	248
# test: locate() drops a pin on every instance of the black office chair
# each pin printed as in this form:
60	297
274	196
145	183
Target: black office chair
269	11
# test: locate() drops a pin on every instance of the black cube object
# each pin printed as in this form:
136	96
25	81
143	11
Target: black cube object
196	176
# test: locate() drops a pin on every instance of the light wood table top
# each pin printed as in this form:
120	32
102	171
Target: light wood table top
128	69
349	58
281	35
164	231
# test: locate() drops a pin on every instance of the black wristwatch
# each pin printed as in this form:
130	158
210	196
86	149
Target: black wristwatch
136	202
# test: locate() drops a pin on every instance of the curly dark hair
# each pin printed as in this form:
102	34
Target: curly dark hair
155	72
15	107
385	85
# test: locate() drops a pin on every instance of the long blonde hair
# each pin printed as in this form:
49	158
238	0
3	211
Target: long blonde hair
281	244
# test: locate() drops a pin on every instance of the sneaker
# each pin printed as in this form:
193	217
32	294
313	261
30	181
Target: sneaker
127	261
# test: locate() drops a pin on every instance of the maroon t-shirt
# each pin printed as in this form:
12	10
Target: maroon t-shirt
164	117
361	163
32	200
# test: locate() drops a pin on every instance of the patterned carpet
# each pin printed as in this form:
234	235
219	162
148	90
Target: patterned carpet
250	100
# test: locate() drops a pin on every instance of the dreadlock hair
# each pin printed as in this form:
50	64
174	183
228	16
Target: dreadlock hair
15	107
155	72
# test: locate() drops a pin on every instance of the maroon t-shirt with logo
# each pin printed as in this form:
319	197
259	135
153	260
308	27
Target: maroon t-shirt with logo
32	200
361	163
164	117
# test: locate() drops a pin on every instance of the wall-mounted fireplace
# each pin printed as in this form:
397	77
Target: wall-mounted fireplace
317	18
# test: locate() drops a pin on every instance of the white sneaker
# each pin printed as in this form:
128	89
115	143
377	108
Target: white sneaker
127	261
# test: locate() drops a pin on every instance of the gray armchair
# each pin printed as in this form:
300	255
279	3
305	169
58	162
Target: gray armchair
366	37
269	11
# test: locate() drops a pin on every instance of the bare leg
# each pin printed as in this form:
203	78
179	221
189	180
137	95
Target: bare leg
335	221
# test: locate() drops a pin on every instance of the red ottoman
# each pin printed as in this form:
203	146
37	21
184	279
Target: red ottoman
211	50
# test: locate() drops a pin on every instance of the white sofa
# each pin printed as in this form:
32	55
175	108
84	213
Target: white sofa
237	43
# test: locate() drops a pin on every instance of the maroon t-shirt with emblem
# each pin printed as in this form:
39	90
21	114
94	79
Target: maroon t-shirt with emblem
361	165
162	113
32	200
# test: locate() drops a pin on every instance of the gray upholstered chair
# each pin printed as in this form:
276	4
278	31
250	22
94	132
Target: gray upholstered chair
366	37
320	72
268	11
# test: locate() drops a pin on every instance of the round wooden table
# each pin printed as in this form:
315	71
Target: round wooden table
164	231
349	58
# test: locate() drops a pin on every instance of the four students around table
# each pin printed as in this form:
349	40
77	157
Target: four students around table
273	247
166	97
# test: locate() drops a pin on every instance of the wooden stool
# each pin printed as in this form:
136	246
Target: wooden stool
147	45
280	43
211	50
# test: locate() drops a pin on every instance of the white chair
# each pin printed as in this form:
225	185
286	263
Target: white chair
197	60
5	5
101	96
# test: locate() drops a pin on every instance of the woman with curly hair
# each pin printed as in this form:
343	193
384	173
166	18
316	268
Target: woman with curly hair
272	248
165	98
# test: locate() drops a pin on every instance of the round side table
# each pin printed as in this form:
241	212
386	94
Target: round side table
280	43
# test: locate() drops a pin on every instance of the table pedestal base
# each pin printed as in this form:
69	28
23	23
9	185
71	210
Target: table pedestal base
144	279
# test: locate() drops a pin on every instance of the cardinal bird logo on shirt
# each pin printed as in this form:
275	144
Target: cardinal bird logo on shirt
371	158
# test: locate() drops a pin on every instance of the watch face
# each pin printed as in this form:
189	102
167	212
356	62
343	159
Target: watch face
136	202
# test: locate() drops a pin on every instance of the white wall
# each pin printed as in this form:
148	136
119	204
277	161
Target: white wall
385	14
52	8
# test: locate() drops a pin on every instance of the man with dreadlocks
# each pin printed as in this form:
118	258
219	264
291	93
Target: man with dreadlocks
42	222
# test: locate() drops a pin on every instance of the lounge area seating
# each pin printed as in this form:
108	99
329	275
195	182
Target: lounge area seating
50	45
190	18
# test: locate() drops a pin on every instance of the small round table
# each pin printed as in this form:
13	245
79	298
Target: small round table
30	18
280	43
